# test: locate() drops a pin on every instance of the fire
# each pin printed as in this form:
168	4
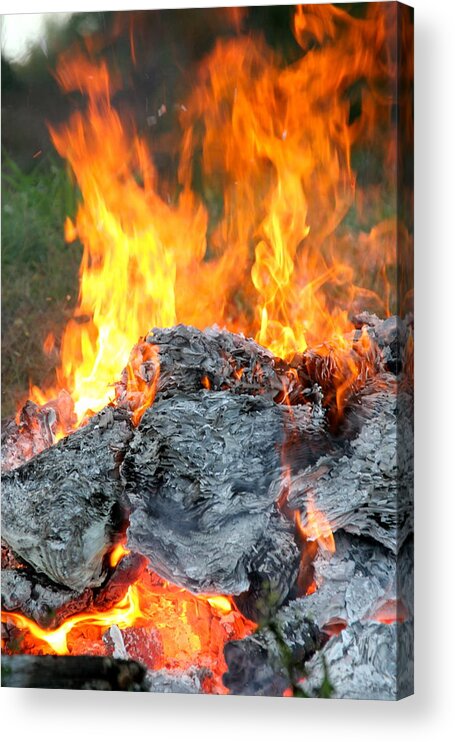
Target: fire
276	146
184	629
118	552
123	614
317	528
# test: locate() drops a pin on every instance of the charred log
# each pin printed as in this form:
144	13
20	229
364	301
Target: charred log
190	360
362	613
25	591
367	660
35	429
72	673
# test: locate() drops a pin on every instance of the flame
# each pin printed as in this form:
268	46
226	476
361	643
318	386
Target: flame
220	603
317	528
49	343
188	630
142	372
123	614
274	143
117	553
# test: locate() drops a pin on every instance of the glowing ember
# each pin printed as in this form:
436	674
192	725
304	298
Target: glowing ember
392	611
187	630
124	614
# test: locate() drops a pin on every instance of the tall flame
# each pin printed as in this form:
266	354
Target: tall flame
274	143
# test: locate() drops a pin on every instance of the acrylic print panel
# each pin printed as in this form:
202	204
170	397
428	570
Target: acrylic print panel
208	351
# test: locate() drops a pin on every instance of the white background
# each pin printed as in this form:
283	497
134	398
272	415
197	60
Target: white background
61	715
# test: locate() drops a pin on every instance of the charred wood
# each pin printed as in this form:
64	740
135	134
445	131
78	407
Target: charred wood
361	614
25	591
190	360
73	673
35	429
367	660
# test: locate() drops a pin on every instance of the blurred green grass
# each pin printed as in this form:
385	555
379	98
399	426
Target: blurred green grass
39	272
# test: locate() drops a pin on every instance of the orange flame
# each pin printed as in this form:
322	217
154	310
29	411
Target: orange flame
317	528
276	148
123	614
117	553
190	630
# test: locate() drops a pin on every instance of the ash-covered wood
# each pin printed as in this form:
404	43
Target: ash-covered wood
390	335
366	660
72	673
25	591
359	491
36	597
364	603
367	592
212	476
272	659
191	359
61	511
203	475
35	429
165	681
198	475
358	581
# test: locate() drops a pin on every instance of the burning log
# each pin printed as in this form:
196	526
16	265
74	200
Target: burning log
35	429
203	476
62	510
32	594
73	673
